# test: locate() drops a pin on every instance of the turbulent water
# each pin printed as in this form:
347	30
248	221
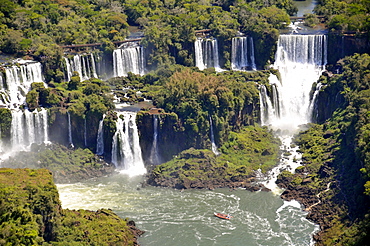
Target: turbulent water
174	217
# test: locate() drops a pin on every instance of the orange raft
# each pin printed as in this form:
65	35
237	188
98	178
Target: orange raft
222	216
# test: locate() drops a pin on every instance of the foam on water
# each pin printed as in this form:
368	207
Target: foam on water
174	217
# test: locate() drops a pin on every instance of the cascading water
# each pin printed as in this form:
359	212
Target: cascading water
300	60
18	80
1	142
126	150
70	140
242	54
206	53
154	155
213	143
28	128
128	58
83	64
85	132
100	138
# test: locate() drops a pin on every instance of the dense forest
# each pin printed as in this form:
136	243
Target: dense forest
335	149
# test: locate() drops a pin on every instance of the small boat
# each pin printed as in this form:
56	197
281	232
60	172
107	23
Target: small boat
222	216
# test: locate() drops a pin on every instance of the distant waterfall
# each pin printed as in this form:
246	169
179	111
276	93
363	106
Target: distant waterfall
83	64
18	80
214	146
70	140
28	128
154	155
126	150
300	60
206	53
242	54
85	132
128	58
1	142
100	138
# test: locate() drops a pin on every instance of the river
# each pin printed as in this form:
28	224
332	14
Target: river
174	217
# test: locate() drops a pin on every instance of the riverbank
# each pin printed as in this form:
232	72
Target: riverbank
32	215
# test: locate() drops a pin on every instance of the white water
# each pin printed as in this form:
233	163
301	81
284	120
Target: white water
206	53
100	138
154	155
172	217
83	64
28	128
242	54
18	80
126	150
300	60
128	58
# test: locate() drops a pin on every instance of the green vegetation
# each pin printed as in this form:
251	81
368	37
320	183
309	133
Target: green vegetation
37	28
245	152
336	159
346	15
66	165
31	214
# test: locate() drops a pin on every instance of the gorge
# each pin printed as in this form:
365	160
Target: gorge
217	107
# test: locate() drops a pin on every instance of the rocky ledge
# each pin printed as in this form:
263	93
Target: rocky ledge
198	169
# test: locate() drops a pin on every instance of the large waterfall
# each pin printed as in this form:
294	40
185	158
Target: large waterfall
84	64
242	54
300	60
206	53
18	80
128	58
28	128
126	150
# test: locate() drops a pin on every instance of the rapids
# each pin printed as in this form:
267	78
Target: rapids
175	217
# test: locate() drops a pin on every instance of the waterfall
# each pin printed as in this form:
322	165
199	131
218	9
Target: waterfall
100	138
300	60
28	127
296	55
214	146
68	71
242	54
313	101
70	140
83	64
85	132
18	80
126	150
128	58
4	98
93	66
206	53
154	155
266	108
1	142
